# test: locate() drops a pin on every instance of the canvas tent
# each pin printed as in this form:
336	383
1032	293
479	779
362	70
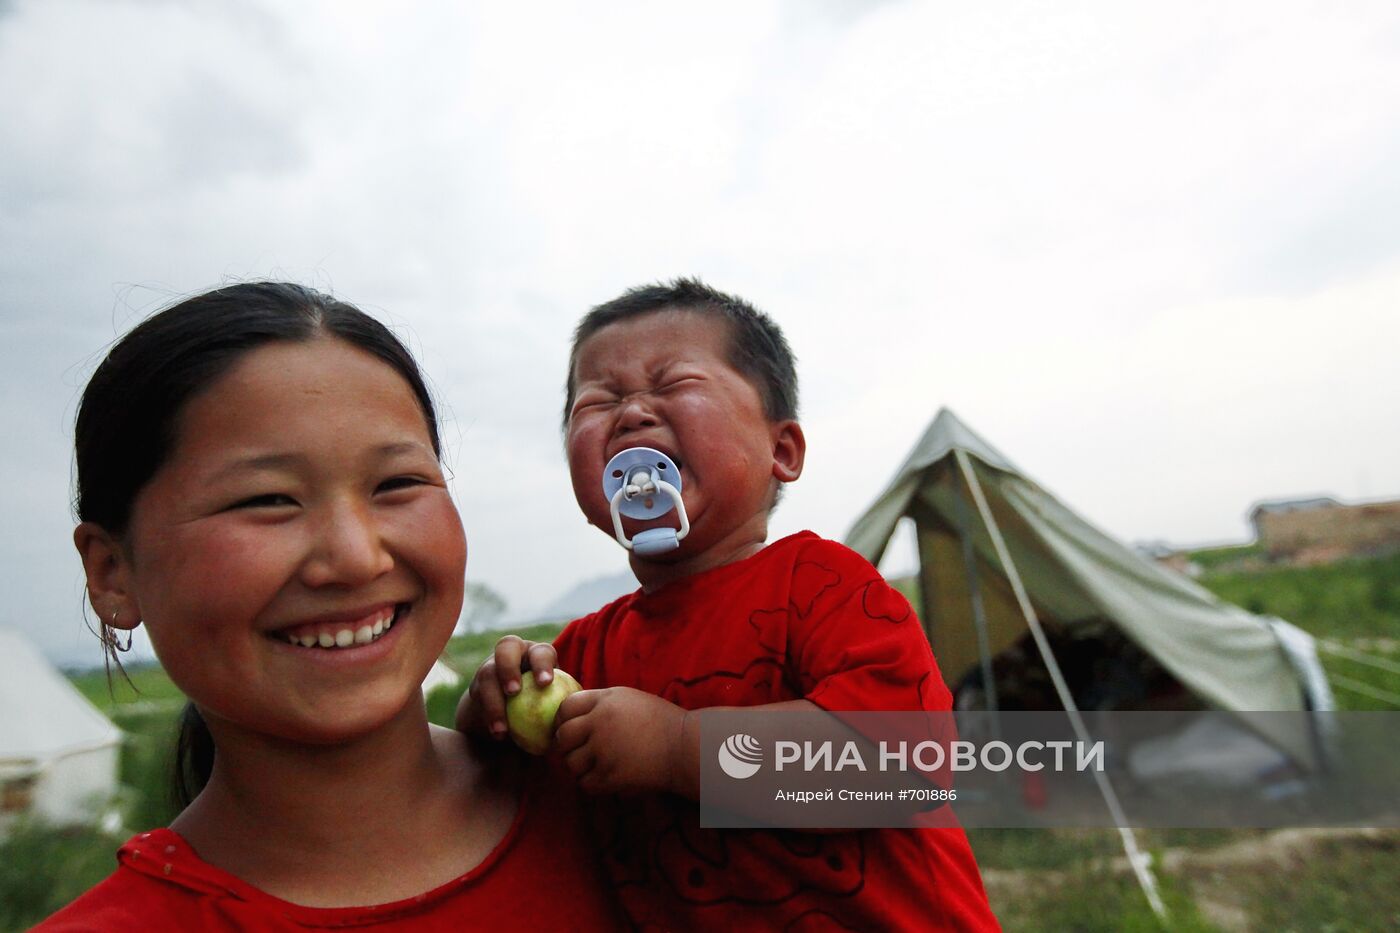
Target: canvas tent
1074	575
1003	564
58	754
440	675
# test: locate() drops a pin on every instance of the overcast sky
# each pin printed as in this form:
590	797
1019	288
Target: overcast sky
1151	251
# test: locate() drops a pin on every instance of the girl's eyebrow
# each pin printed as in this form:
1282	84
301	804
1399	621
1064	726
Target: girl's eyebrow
401	447
290	460
259	462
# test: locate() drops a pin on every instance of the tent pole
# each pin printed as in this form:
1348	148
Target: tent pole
979	613
1137	859
926	591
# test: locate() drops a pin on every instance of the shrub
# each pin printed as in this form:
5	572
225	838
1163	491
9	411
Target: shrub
43	868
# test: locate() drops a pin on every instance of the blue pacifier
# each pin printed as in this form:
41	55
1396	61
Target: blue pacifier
644	483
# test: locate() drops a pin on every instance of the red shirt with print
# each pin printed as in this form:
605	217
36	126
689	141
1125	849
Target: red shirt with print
804	618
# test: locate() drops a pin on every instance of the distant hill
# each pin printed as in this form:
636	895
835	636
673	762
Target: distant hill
588	596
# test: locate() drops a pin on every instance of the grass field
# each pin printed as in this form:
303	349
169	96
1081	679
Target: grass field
1350	599
145	685
1037	879
1354	604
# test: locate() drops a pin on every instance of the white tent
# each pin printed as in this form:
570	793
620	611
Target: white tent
440	675
58	754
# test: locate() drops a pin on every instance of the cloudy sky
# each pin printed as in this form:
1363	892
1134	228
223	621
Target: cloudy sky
1149	250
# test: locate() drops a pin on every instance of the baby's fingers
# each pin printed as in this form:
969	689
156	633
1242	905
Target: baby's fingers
509	655
485	703
541	658
581	763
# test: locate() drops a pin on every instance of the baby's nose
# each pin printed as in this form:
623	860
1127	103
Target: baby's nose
636	413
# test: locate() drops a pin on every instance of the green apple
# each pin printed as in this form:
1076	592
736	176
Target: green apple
530	713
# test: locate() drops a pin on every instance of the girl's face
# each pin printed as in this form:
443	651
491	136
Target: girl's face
297	561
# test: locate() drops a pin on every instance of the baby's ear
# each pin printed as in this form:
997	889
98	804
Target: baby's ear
789	450
108	576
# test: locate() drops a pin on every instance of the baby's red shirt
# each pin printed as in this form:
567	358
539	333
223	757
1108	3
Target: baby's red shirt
804	618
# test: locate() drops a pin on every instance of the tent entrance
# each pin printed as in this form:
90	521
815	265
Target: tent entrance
980	636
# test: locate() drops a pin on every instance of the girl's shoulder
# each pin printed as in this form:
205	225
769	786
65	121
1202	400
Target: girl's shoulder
144	893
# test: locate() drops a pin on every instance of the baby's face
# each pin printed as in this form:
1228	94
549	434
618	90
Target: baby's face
663	380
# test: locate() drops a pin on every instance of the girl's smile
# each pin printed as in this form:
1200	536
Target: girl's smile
342	630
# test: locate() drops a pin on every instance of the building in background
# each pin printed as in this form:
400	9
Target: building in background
1322	529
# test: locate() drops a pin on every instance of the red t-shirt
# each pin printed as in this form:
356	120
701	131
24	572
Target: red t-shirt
542	875
805	618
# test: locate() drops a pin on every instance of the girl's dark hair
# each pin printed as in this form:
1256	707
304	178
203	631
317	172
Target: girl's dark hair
129	414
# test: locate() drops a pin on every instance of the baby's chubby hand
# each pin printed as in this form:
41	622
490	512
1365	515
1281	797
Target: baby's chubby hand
622	741
483	707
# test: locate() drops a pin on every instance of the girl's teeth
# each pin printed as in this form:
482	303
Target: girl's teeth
344	638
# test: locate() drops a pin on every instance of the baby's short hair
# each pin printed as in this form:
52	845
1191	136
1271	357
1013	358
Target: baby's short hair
757	348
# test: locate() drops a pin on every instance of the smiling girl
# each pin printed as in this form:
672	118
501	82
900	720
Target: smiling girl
259	486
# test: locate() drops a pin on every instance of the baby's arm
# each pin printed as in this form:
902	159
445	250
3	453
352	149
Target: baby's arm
482	710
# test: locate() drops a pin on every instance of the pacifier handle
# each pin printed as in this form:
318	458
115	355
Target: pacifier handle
632	482
663	487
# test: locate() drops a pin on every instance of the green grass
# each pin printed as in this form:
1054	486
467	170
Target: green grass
1041	848
145	683
1067	848
1341	886
1345	601
43	868
442	704
146	766
1216	558
465	653
1062	880
1339	667
1349	599
1094	900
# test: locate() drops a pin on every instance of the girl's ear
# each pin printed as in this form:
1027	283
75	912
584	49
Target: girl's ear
789	451
108	576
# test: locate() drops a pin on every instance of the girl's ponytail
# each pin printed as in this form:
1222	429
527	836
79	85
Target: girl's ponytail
194	756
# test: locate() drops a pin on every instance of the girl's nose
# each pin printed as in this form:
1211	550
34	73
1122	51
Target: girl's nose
348	550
